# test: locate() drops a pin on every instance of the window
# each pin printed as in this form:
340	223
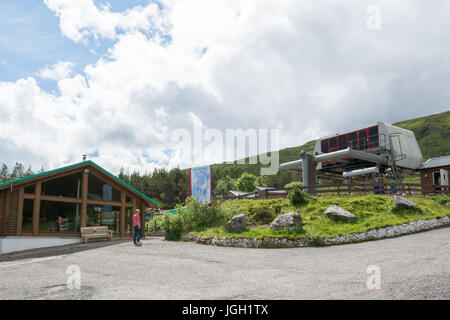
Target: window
128	220
100	190
27	220
362	139
59	217
324	146
67	186
342	140
333	144
29	189
98	215
373	137
353	140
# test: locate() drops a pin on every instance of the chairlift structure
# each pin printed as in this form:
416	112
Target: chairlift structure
381	150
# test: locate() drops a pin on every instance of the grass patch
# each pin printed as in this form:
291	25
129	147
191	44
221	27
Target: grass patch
372	211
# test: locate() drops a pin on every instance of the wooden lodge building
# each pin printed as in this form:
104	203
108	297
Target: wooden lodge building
83	195
434	175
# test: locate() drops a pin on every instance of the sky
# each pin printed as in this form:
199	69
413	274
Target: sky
115	79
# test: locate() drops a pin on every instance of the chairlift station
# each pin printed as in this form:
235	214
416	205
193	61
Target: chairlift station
381	150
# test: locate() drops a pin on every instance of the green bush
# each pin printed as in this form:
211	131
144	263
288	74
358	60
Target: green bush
298	197
172	224
194	217
261	215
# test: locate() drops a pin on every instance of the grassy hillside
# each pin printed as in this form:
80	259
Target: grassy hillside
432	133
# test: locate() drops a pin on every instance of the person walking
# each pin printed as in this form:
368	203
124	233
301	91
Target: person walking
137	228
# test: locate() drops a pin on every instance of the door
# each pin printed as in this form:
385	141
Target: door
444	177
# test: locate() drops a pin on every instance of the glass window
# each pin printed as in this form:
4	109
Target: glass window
362	139
29	189
67	186
342	142
128	220
27	221
353	140
128	199
100	190
333	144
324	146
59	217
373	137
109	216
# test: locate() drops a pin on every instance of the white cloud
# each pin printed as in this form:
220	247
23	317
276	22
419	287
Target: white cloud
306	68
82	18
59	71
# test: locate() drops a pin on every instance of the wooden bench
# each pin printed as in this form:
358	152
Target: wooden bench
96	232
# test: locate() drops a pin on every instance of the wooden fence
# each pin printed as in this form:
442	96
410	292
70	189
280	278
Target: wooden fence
351	189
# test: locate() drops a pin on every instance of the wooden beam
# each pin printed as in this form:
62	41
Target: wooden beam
123	197
84	198
104	203
28	196
61	199
36	207
20	212
142	207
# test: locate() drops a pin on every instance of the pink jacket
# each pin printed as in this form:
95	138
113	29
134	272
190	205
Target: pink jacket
137	220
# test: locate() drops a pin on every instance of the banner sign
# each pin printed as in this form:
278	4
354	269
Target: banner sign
200	183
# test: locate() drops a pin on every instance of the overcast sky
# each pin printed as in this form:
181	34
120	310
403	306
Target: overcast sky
113	79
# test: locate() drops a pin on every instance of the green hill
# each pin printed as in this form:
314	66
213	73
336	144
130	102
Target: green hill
432	133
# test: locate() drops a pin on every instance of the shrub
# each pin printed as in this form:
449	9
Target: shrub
298	197
261	215
172	226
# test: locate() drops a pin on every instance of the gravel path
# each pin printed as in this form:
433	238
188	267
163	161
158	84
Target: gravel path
412	267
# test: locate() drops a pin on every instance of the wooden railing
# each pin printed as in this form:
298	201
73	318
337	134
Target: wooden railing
352	189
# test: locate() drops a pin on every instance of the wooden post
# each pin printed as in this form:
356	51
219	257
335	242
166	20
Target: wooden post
84	197
142	208
20	212
37	207
123	197
133	209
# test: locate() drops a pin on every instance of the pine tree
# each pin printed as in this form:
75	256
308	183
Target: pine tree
4	174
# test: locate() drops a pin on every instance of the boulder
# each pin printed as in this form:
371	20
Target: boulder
291	220
237	223
337	213
403	202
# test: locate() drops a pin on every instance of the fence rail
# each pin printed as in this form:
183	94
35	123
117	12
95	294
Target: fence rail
351	189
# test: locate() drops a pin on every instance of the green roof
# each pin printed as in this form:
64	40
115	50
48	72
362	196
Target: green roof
12	182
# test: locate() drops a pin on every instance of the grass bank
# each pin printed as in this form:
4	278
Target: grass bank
372	212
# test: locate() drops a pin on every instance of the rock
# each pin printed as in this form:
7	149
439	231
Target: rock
337	213
291	220
236	224
403	202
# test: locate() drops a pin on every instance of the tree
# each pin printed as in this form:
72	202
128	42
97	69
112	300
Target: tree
18	171
224	185
4	174
246	182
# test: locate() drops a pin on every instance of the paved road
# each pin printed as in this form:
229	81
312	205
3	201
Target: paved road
414	266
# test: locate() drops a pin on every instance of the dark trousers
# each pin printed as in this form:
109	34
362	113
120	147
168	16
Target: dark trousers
137	233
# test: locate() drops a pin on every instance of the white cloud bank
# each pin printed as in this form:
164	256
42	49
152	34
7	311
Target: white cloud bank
305	67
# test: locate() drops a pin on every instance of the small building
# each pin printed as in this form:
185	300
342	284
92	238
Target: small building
80	195
434	175
233	194
269	193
